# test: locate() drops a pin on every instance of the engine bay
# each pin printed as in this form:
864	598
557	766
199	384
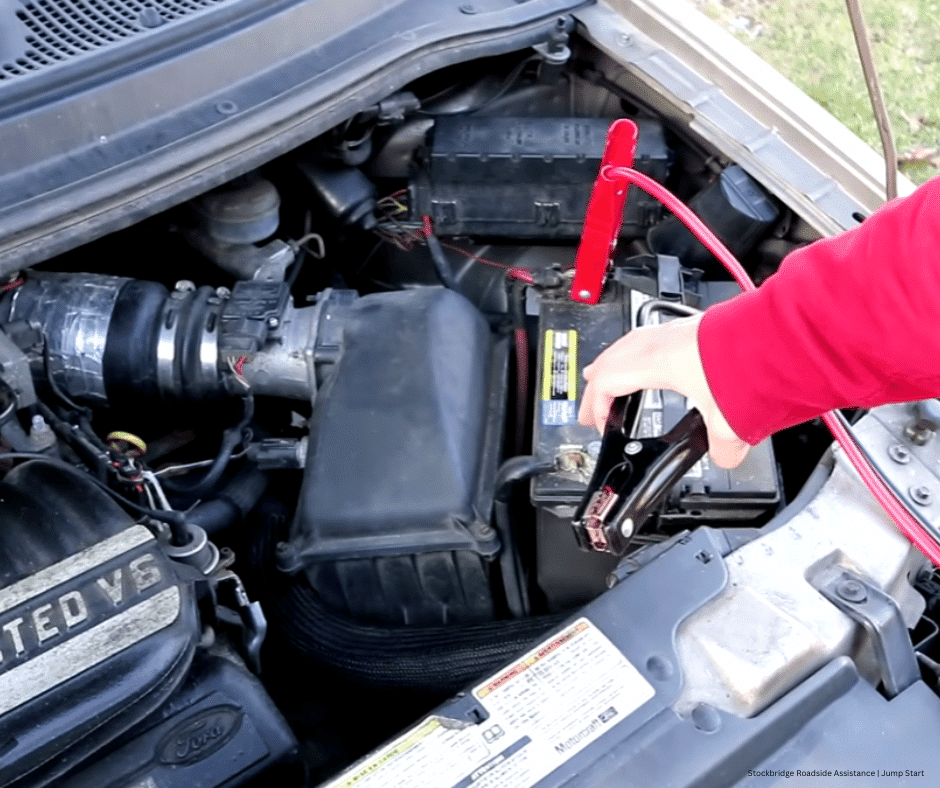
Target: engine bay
288	465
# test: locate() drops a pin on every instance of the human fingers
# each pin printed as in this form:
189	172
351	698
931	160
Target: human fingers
614	373
726	454
595	406
630	364
663	357
725	448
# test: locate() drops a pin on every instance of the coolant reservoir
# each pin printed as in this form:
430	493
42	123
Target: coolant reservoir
770	628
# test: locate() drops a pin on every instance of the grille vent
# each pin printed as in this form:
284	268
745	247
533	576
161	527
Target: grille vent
59	30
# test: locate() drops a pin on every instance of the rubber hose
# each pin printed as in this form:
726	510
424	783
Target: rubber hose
230	439
233	503
440	659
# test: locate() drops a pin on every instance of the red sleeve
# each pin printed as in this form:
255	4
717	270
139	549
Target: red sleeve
847	321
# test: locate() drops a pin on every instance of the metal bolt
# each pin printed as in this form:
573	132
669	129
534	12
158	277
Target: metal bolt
466	8
585	294
273	322
184	286
851	591
919	432
223	292
899	453
921	495
633	447
484	531
625	39
627	528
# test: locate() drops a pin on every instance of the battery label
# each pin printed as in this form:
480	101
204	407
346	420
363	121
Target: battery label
560	378
541	711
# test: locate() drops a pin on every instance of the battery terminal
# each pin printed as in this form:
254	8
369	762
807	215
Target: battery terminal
574	459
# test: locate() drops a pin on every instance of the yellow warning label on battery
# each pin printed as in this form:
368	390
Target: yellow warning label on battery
560	377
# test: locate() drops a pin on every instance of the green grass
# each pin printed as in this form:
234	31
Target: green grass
811	43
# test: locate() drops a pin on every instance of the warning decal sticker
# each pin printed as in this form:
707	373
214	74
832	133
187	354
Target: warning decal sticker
560	378
539	712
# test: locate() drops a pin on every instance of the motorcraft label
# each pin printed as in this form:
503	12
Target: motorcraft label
540	712
560	378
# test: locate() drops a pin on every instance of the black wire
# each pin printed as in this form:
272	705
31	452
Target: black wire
230	439
611	472
176	520
508	82
87	447
47	367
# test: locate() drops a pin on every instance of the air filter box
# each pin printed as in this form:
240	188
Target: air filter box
403	449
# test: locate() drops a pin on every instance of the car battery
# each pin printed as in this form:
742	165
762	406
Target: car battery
571	335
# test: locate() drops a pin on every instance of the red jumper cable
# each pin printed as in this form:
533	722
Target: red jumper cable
601	228
604	214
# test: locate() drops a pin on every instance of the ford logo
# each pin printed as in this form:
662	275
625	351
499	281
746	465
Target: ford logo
200	735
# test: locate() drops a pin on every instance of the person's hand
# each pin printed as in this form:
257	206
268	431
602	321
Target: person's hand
659	357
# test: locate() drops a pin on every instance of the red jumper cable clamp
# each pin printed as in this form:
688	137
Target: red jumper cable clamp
604	214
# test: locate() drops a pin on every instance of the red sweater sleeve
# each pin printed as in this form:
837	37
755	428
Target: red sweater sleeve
847	321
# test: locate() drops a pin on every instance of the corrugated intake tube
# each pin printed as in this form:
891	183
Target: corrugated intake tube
434	659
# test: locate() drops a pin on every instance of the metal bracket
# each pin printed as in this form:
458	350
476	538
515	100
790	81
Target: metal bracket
879	614
909	467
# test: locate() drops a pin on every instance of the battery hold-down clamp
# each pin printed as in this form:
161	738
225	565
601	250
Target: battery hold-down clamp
632	476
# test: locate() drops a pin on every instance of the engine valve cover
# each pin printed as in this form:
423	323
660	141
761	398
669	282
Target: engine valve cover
95	626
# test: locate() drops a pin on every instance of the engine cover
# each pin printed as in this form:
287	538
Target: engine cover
96	628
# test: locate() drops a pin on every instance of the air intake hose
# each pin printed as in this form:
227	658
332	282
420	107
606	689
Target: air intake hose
434	659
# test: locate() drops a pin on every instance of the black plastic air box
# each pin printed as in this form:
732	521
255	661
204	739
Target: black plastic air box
526	177
735	207
392	525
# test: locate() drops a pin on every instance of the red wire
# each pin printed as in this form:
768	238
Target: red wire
512	271
522	384
895	509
